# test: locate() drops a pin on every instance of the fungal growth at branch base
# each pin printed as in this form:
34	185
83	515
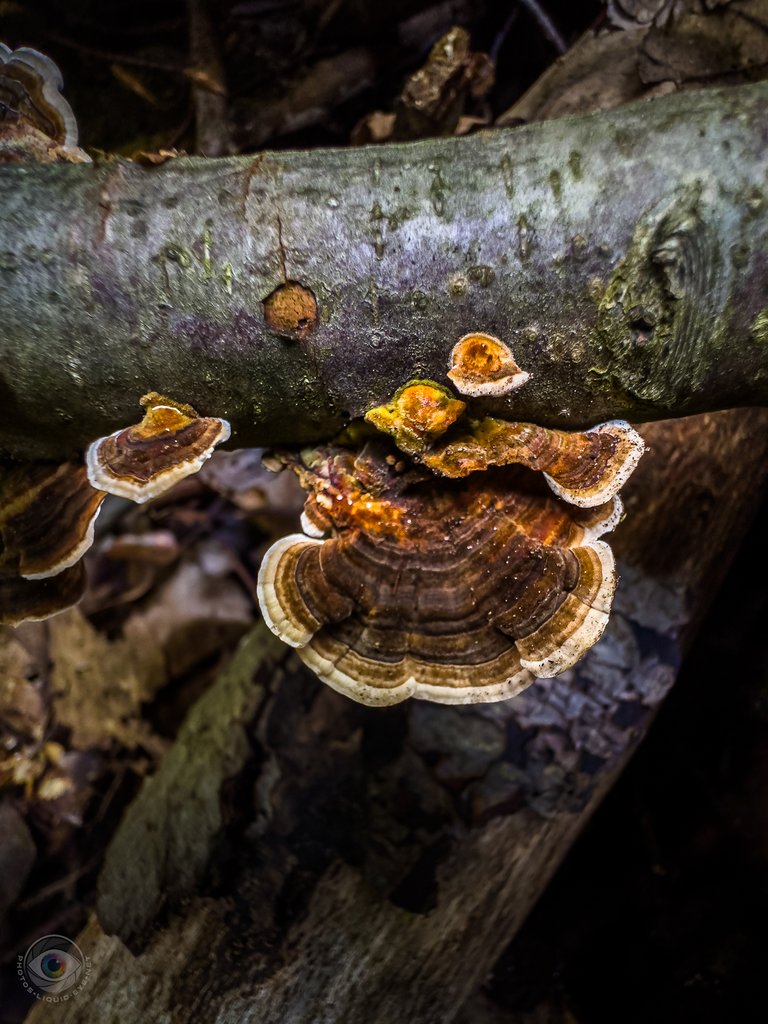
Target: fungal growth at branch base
457	591
47	517
584	468
38	125
418	414
145	460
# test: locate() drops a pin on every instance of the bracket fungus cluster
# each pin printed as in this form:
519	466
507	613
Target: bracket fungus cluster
464	557
48	512
584	468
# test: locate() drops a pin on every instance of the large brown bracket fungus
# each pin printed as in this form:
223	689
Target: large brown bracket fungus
453	591
47	517
142	461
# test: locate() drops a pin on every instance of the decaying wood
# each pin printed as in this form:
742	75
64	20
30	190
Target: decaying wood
300	858
621	255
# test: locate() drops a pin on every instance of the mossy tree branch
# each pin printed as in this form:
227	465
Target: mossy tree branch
622	256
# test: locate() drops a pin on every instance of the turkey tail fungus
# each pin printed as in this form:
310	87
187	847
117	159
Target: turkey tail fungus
23	600
38	125
584	469
48	511
456	591
143	461
47	517
482	365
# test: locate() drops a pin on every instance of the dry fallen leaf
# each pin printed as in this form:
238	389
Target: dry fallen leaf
134	83
200	610
98	685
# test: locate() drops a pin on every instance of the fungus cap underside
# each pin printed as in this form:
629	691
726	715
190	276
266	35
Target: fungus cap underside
25	600
47	518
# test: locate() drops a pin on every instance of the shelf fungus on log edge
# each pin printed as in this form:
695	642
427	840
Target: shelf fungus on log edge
143	461
37	125
47	518
48	511
451	590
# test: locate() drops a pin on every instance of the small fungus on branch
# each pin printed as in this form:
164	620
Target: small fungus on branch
145	460
482	365
418	413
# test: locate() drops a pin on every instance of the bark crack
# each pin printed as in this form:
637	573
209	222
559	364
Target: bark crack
281	247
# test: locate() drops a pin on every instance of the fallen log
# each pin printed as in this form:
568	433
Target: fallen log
620	255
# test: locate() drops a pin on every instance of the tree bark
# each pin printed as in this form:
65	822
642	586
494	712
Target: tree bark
621	255
301	859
